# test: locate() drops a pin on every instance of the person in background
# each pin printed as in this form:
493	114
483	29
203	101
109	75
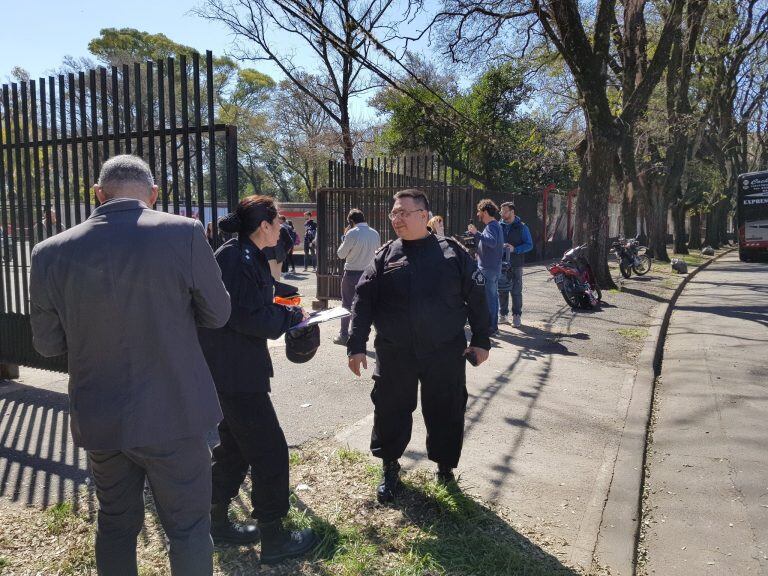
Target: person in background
357	249
122	294
490	246
310	241
237	354
288	262
436	225
40	229
517	242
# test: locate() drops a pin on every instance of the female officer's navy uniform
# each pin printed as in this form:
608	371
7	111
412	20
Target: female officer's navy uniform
238	357
239	360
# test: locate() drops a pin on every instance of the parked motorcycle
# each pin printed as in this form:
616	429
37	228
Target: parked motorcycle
576	280
631	257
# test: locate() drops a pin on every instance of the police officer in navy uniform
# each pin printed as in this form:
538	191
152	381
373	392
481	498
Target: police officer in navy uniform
418	293
238	357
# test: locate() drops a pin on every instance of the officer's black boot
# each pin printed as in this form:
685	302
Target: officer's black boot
278	543
390	482
445	474
224	531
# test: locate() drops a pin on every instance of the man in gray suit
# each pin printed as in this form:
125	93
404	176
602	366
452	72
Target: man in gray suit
122	294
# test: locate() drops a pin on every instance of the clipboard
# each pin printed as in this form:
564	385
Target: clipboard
322	316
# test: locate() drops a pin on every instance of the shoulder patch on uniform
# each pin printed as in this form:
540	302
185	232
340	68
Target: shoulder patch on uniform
478	278
455	243
384	246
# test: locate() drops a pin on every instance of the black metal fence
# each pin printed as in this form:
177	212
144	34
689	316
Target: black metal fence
370	185
54	136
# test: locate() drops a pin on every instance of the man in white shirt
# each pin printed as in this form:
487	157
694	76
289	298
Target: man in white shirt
357	249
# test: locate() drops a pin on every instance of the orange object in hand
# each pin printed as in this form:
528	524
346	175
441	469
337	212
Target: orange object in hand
288	300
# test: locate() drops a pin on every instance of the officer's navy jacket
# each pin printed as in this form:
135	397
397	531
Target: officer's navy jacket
419	294
237	354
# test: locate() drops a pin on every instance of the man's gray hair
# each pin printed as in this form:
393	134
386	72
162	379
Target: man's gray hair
125	171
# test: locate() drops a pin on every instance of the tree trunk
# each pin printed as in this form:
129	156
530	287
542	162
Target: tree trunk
722	221
656	212
694	238
678	214
346	137
629	211
591	219
712	234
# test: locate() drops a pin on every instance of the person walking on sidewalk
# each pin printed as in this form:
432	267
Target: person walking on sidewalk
237	354
490	246
141	395
418	293
517	241
357	249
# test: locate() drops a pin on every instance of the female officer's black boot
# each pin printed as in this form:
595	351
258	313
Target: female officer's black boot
224	531
278	543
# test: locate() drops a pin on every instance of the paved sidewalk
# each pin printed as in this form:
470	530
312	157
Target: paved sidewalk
707	483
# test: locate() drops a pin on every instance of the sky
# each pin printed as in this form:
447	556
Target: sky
37	34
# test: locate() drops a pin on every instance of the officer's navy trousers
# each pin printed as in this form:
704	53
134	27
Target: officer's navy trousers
443	401
251	437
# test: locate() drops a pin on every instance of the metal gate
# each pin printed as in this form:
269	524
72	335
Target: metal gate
370	187
56	133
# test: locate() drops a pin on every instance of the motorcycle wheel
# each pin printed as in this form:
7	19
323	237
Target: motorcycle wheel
625	270
572	300
644	267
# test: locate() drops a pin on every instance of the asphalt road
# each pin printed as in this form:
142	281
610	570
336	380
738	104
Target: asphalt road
708	466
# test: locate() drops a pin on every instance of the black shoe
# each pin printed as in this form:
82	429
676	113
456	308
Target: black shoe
445	475
390	482
278	544
341	340
224	531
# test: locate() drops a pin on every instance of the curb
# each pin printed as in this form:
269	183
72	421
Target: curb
619	531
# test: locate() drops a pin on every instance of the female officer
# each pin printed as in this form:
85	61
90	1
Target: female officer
237	354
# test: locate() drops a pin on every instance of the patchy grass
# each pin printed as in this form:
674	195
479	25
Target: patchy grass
59	517
633	333
433	530
294	457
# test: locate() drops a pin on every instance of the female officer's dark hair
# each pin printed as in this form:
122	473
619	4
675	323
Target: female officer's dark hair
249	214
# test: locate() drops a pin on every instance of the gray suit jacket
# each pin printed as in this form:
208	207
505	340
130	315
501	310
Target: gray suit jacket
122	294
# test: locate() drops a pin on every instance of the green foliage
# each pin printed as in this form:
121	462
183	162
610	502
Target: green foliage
495	138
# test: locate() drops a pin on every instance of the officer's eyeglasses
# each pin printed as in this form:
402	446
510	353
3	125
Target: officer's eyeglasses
395	214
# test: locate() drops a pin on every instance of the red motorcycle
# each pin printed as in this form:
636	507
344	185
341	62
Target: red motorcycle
575	279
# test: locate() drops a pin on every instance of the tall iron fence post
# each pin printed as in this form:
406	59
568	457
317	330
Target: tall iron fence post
230	137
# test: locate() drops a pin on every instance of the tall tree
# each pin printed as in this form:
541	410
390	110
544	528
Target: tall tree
585	44
340	76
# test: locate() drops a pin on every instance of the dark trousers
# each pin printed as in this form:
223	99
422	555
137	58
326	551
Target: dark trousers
348	283
513	284
288	262
178	473
443	401
309	254
251	437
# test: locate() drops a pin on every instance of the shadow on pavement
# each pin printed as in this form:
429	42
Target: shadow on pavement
39	465
644	294
751	313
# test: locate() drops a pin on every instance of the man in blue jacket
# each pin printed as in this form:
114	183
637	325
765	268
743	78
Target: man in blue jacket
517	241
490	246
